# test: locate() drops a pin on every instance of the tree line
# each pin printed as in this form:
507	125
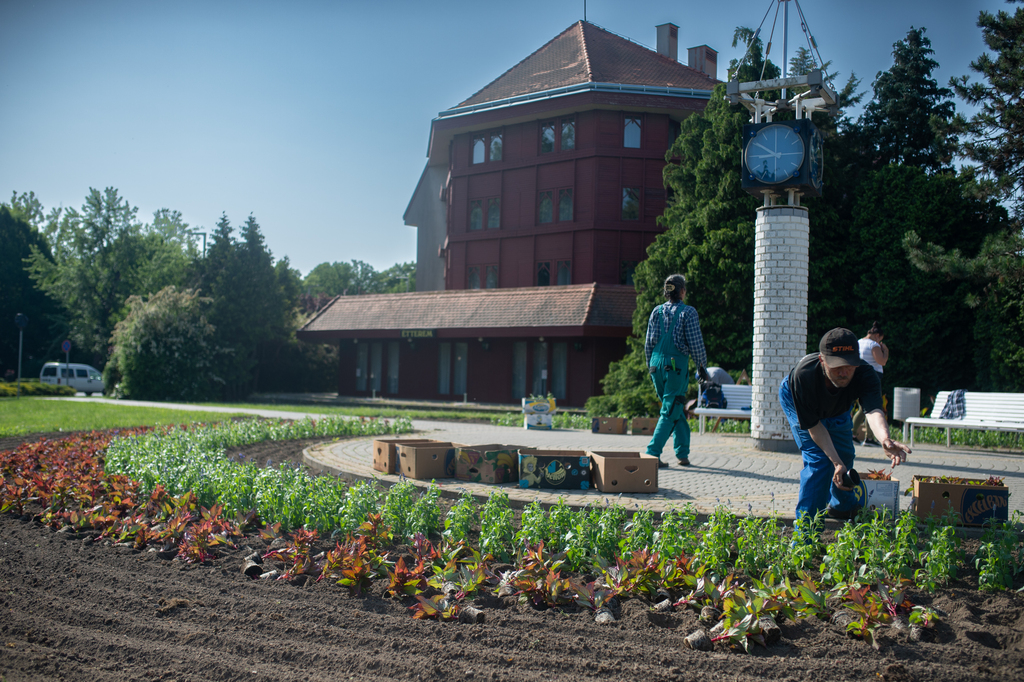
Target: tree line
919	225
164	317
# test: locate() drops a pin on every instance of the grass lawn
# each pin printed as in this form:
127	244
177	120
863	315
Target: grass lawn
375	411
35	415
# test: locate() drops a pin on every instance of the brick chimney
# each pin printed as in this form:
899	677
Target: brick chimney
668	41
702	58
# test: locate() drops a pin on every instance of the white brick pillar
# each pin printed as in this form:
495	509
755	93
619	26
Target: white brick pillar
780	317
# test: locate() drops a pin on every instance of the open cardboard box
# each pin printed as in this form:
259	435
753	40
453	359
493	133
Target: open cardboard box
874	494
608	425
554	469
487	463
427	461
385	452
974	503
539	406
624	472
643	426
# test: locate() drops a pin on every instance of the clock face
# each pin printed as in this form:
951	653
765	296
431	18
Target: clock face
775	154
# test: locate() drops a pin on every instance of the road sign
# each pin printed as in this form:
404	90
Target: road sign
66	346
21	321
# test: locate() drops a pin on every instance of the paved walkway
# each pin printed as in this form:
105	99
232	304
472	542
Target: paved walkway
726	468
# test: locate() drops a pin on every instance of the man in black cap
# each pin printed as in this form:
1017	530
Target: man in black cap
816	397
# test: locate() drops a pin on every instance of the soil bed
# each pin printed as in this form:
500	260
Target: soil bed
75	609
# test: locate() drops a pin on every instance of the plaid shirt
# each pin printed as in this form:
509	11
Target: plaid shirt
686	336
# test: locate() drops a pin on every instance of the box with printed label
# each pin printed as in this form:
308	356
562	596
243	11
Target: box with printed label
608	425
426	461
624	472
643	426
537	421
554	469
539	406
878	494
385	452
973	501
487	463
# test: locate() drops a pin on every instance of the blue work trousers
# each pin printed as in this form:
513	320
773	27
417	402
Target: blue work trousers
816	487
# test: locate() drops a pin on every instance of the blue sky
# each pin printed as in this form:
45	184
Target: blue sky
314	116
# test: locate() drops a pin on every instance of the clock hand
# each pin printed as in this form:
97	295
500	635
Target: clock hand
774	153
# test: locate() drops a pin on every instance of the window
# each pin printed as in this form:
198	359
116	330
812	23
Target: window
547	137
631	132
393	366
519	370
489	280
487	147
564	205
49	371
559	366
461	369
376	351
626	270
543	274
540	368
81	374
563	272
568	134
479	145
630	203
362	366
544	209
444	368
493	213
476	214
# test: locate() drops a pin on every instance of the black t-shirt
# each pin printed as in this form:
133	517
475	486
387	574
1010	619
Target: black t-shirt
813	392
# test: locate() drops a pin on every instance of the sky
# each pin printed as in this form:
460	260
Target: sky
314	116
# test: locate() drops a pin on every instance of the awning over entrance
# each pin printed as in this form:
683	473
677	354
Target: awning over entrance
592	310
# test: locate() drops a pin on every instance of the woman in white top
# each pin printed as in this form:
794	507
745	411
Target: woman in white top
873	350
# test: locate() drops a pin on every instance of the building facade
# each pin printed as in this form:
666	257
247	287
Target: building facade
548	182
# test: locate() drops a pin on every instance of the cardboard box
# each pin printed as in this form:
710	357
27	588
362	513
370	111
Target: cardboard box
426	461
643	426
624	472
878	494
537	421
973	503
487	463
385	452
554	469
539	406
608	425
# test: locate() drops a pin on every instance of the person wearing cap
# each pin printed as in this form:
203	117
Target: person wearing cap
816	398
673	335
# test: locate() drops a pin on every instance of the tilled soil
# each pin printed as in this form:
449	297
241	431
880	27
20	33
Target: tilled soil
75	609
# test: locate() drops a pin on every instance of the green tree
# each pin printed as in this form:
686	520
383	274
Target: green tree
101	255
18	294
164	349
994	137
898	121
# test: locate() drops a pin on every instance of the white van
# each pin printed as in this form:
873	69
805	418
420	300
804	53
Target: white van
84	378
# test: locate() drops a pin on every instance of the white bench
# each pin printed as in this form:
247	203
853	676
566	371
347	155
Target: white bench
737	398
982	412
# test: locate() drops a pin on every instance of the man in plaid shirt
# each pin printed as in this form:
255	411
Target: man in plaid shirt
673	335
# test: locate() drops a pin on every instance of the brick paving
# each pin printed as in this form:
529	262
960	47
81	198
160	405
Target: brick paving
726	469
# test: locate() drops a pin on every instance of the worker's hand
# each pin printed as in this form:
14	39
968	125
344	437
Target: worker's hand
837	477
897	452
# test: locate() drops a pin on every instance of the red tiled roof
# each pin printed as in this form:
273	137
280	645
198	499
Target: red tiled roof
577	305
584	53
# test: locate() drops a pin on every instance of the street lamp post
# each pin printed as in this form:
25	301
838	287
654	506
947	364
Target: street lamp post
22	322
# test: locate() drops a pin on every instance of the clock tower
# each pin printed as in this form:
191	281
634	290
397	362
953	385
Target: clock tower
780	158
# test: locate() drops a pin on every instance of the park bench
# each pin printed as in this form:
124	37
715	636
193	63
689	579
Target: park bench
982	412
737	400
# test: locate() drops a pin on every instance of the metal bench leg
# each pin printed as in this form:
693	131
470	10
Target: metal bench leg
949	441
702	425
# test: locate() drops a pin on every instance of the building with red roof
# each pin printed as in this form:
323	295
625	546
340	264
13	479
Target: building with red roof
540	195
